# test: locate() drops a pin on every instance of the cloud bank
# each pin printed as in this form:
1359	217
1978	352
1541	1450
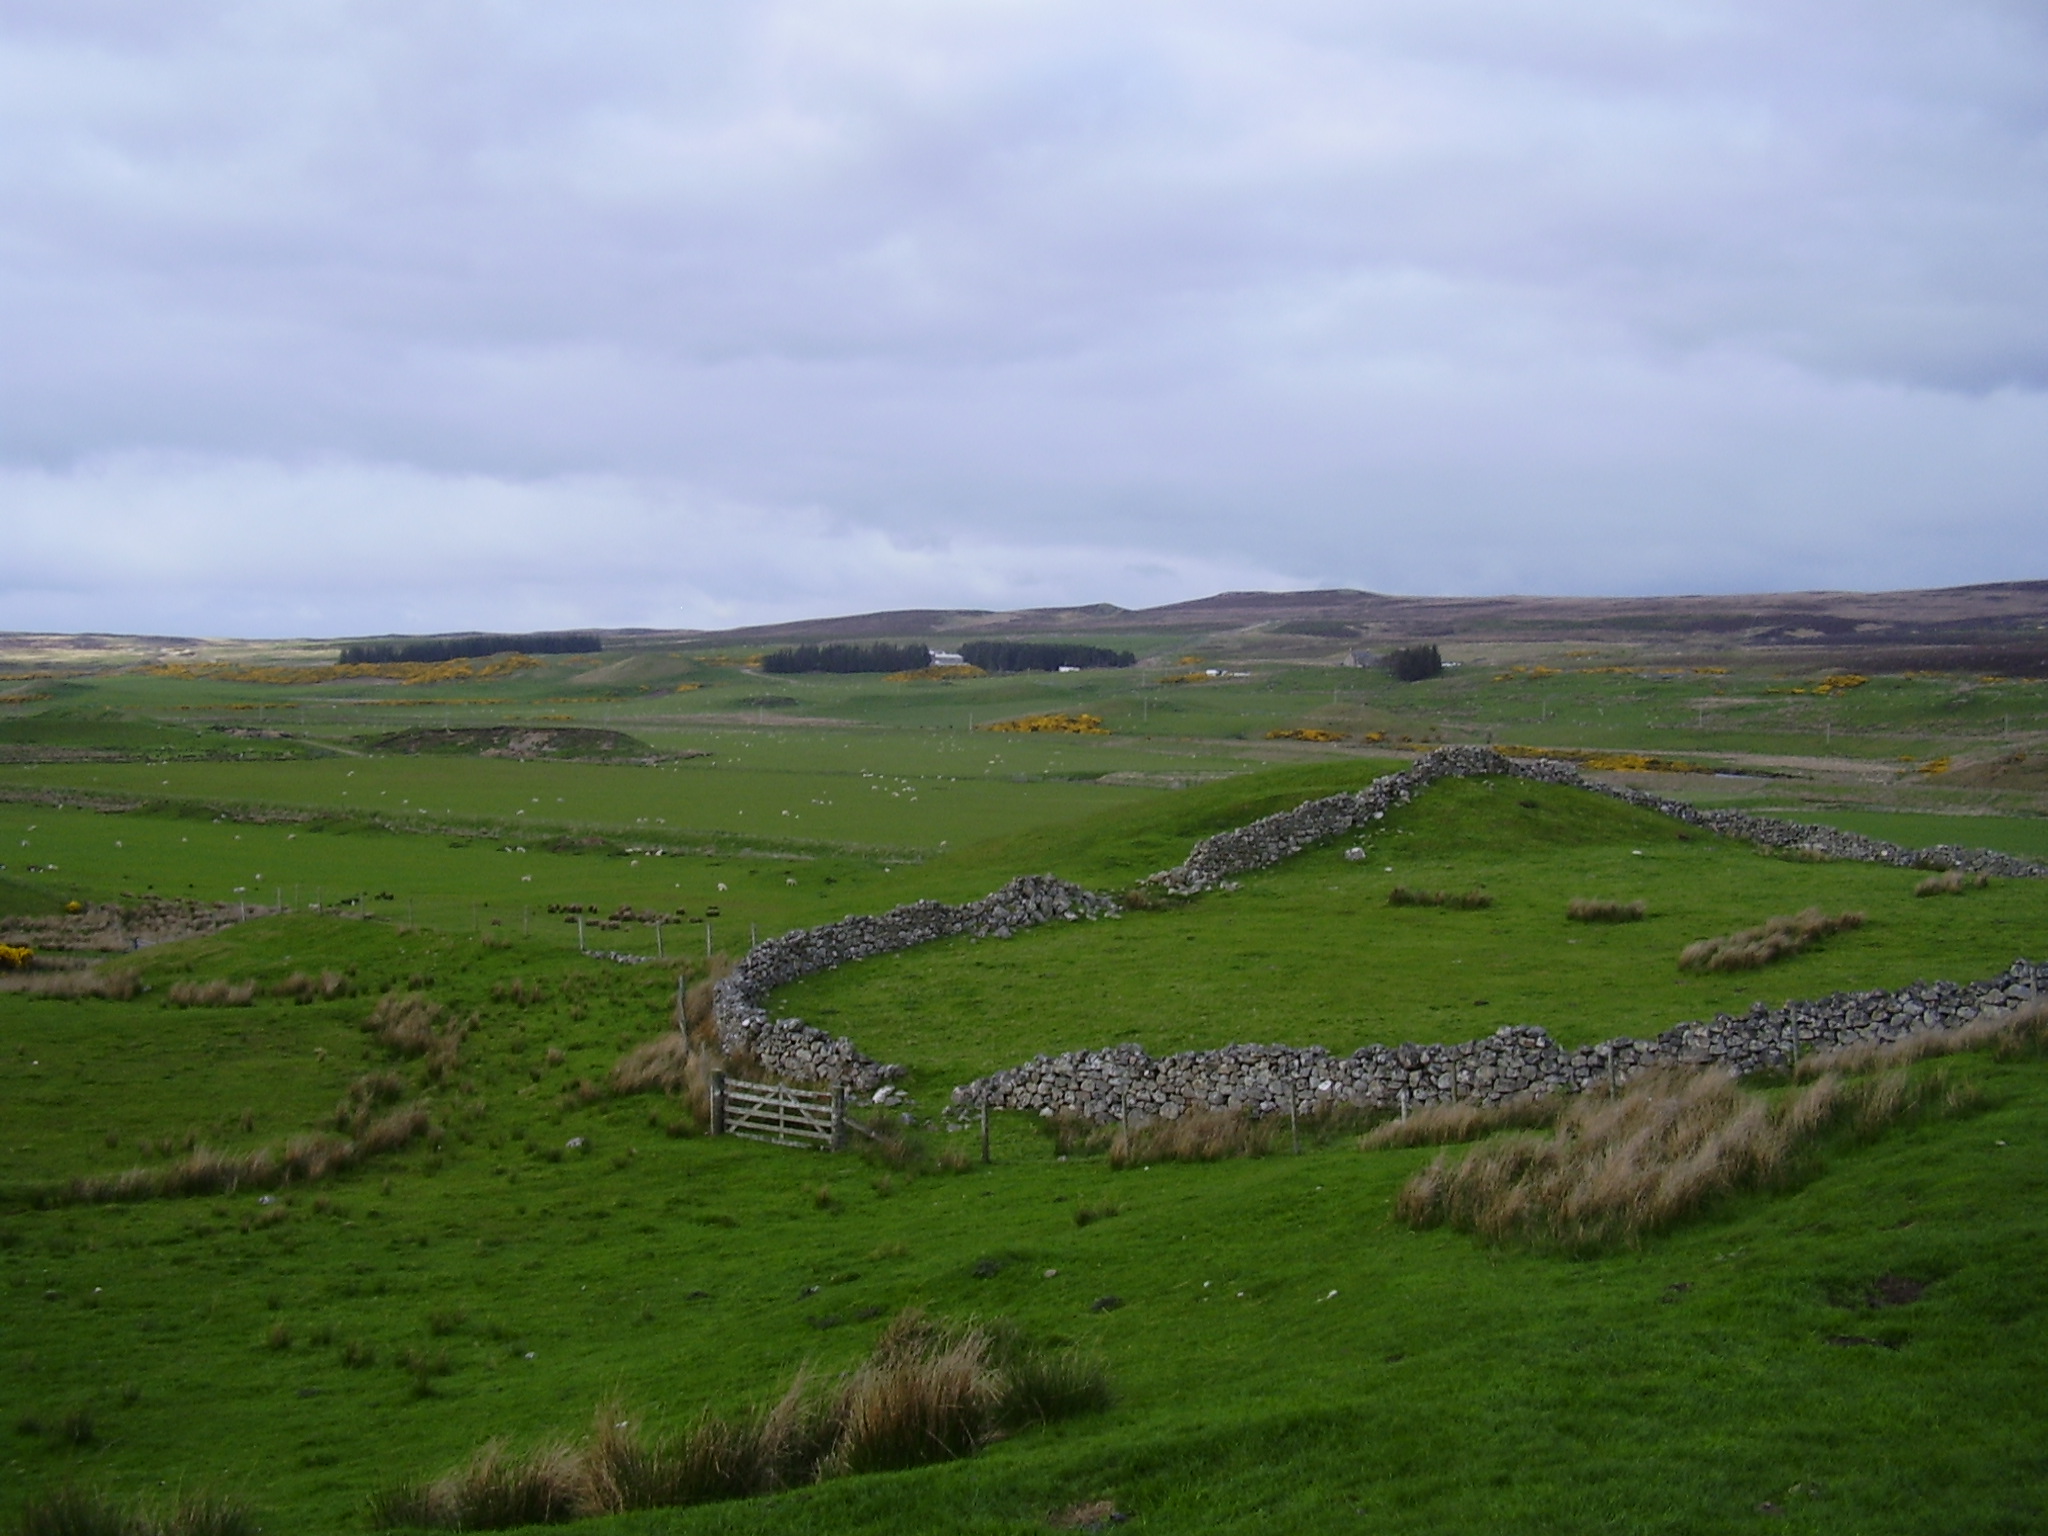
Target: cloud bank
360	316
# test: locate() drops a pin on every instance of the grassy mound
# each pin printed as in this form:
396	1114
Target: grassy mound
1312	951
569	744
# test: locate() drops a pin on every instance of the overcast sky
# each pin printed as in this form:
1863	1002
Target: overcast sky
328	317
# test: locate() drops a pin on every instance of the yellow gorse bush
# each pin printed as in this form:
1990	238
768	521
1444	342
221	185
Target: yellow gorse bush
411	672
1305	733
1079	725
935	674
15	957
1607	762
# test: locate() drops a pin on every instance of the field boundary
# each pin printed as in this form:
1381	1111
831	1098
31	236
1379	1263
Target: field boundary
778	1114
1123	1081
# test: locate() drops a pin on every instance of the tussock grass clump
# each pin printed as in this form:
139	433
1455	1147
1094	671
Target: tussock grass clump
301	988
365	1096
301	1160
116	985
928	1391
217	993
884	1140
674	1064
85	1512
410	1024
2017	1036
1072	1136
1773	939
1460	901
660	1065
1436	1125
405	1022
1199	1136
1950	882
1584	909
1670	1144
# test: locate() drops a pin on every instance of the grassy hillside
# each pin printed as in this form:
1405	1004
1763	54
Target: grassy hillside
1310	953
1285	1356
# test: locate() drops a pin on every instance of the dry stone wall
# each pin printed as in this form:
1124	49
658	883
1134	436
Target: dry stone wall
1125	1083
793	1049
1273	838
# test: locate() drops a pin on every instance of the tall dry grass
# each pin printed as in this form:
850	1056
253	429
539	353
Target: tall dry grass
1618	1168
1468	901
1586	909
928	1391
217	993
1773	939
1950	882
365	1096
1437	1125
2015	1036
674	1064
301	988
87	1512
1197	1136
116	985
411	1024
698	998
300	1160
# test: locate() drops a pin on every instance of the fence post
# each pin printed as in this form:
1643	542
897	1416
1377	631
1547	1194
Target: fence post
718	1103
984	1132
1293	1125
839	1117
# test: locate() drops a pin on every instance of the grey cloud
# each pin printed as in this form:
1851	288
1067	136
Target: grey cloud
1623	296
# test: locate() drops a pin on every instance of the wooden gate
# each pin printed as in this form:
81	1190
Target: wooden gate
777	1113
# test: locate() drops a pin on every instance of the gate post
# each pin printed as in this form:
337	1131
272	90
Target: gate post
718	1103
839	1117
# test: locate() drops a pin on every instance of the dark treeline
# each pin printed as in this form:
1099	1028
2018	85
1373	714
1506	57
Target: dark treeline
1033	656
1413	663
846	657
383	652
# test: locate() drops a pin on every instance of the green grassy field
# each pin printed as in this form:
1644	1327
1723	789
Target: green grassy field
1310	953
1440	1387
1286	1356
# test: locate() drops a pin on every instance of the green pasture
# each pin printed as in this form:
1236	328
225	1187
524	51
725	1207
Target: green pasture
1758	705
1284	1356
2026	836
778	788
1310	953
